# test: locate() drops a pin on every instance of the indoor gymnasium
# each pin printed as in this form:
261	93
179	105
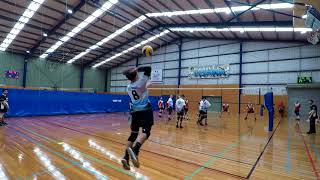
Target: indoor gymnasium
159	89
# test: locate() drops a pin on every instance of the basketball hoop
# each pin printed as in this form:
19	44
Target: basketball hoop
314	37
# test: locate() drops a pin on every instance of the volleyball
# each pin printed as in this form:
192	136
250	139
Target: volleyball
147	50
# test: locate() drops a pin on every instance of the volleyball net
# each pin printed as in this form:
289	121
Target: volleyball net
236	98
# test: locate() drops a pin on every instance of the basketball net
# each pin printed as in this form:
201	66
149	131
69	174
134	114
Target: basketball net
314	37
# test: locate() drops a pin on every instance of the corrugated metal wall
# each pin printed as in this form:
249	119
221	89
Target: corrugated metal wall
265	64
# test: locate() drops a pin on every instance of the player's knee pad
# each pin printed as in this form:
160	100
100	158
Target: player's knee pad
147	132
133	136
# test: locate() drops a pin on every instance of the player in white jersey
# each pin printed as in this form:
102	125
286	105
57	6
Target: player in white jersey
170	107
180	105
203	110
141	112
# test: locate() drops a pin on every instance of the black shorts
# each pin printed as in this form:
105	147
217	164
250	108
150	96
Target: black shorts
250	111
204	114
281	110
186	110
161	108
297	113
180	113
170	110
143	119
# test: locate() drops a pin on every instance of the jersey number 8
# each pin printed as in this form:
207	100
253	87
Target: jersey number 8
135	95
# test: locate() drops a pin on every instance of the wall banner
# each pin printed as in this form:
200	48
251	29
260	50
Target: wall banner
209	72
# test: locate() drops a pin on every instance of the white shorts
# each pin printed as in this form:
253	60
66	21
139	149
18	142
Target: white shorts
1	115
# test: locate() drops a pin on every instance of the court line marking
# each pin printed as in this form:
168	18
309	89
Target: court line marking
264	149
225	150
54	152
314	169
316	151
88	156
34	174
288	159
188	162
203	153
212	160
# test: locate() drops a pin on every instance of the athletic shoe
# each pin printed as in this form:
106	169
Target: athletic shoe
3	123
134	157
125	164
181	127
245	118
311	132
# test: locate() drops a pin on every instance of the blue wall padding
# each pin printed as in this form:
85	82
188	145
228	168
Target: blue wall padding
44	102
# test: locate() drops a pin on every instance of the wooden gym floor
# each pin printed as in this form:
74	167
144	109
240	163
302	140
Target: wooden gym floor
90	147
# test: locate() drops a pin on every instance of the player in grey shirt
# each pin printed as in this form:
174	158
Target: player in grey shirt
141	112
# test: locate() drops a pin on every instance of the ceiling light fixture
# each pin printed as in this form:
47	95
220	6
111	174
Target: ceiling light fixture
90	19
177	13
27	14
132	48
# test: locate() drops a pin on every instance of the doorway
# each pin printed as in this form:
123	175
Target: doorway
216	103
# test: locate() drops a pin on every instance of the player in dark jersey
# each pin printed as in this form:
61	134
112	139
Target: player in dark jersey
141	112
313	116
281	109
225	109
161	107
4	107
250	110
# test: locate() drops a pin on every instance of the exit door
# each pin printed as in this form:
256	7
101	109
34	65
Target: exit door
216	103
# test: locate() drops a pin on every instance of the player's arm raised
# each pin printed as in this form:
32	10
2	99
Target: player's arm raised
146	70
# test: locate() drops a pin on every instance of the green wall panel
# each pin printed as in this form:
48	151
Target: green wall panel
94	78
43	73
9	61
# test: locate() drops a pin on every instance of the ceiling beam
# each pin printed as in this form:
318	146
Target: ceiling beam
138	9
56	27
211	5
123	44
227	24
271	10
37	27
123	19
139	55
233	13
168	26
240	14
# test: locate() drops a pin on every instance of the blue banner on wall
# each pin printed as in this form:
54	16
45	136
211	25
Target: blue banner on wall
208	72
44	102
